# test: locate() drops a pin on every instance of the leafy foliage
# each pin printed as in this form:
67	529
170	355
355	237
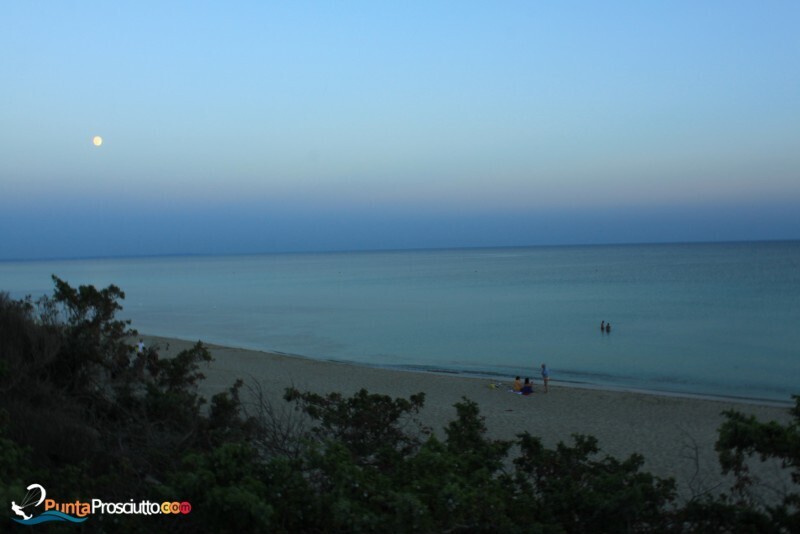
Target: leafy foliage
93	339
741	438
371	427
578	492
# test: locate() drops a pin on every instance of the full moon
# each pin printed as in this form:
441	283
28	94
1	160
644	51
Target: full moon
97	140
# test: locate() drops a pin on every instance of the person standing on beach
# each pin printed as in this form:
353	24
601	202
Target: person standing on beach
138	361
545	376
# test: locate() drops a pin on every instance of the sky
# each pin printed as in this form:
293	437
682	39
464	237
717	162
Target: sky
249	127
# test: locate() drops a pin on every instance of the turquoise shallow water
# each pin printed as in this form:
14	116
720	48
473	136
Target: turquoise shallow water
708	319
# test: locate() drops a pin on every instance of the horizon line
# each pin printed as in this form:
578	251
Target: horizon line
384	250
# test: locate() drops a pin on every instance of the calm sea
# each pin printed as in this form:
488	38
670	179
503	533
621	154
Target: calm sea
707	319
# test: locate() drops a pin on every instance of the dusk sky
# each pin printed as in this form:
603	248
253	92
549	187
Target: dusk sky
247	127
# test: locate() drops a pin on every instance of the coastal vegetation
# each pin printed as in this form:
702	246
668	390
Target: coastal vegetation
85	415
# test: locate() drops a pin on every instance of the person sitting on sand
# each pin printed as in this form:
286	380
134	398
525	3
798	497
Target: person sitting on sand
527	387
517	387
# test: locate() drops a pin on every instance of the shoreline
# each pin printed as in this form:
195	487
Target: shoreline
497	376
674	434
571	384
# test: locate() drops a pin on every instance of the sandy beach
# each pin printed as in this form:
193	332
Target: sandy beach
676	435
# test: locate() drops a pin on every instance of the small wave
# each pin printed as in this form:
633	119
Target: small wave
52	515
